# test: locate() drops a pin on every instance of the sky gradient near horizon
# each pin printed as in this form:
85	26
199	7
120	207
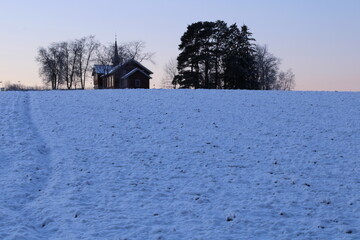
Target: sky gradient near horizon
319	40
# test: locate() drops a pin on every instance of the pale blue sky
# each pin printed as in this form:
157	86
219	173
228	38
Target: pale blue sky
318	39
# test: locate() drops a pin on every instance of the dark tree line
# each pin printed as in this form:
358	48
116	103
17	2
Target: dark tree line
69	63
214	55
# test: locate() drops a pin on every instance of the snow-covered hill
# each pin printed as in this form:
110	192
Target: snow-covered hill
179	164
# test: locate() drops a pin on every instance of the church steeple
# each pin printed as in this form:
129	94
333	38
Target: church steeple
116	58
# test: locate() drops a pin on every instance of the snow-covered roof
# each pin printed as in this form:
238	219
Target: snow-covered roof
129	61
103	69
134	71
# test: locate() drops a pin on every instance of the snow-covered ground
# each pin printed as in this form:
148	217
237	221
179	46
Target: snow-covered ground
179	164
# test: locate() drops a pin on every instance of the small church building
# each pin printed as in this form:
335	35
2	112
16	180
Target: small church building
130	74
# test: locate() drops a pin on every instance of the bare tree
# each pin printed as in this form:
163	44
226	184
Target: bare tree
131	50
47	69
104	55
76	49
87	46
64	51
267	66
285	81
135	50
51	62
171	71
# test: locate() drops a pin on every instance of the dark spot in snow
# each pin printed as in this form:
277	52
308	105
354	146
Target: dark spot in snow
349	231
155	214
76	215
282	214
306	184
230	218
322	227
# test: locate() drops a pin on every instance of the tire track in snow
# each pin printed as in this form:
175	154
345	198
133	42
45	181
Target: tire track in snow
25	168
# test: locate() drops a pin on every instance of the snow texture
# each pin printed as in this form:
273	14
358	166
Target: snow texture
179	164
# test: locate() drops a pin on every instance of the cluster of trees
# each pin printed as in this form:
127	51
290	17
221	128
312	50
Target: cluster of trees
214	55
69	63
268	74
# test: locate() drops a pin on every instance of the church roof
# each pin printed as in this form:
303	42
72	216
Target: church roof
102	69
134	71
142	67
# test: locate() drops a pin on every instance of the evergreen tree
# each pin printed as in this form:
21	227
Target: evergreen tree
239	61
214	55
199	63
219	49
188	59
248	54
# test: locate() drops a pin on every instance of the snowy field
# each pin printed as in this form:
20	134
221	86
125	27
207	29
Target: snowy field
179	164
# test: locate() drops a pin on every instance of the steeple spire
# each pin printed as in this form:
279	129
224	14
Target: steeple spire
116	58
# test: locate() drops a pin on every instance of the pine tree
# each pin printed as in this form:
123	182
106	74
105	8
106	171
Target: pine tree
199	63
239	62
188	59
214	55
248	53
219	48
